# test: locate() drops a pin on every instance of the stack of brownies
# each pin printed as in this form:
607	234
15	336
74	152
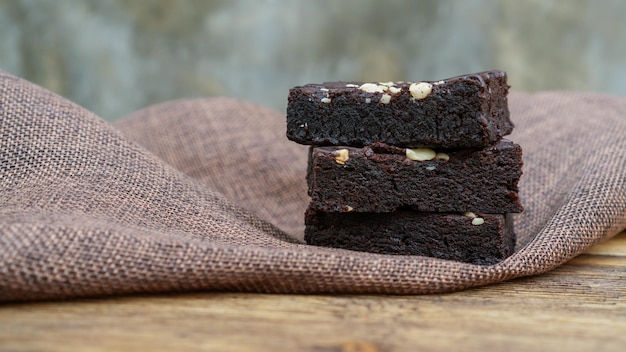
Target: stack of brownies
411	168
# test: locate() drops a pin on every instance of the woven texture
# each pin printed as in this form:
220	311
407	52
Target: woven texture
209	194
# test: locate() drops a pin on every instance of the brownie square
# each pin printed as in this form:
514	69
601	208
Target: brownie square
479	238
382	178
458	112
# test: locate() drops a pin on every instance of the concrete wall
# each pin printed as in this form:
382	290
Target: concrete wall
115	56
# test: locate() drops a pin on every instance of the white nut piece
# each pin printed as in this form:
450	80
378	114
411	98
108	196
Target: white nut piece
469	214
442	156
368	100
371	88
341	156
478	221
388	84
394	90
420	90
420	154
385	99
352	85
326	100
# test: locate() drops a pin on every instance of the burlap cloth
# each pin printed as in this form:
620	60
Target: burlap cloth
205	194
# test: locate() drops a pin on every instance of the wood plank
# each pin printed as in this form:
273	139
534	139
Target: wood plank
614	246
580	306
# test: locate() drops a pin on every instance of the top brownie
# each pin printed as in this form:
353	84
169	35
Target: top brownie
458	112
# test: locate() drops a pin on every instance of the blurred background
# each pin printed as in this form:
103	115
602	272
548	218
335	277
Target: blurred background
116	56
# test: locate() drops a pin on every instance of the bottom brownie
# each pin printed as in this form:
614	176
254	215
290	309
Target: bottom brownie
473	238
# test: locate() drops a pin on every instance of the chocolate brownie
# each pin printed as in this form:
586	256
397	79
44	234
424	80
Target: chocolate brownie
458	112
478	238
383	178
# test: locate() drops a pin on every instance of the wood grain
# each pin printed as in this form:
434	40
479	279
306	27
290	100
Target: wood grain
580	306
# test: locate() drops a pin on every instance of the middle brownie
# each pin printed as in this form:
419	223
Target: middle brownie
383	178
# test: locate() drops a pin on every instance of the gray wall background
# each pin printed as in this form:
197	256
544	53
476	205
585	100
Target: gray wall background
116	56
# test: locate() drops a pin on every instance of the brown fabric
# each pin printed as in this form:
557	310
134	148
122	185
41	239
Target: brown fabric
201	194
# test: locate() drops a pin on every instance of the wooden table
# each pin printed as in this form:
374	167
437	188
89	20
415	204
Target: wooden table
580	306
